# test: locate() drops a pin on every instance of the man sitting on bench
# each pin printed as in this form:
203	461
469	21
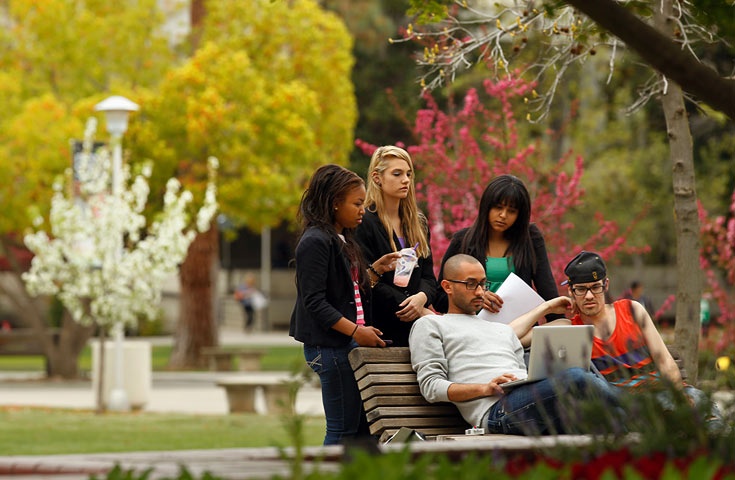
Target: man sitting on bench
461	358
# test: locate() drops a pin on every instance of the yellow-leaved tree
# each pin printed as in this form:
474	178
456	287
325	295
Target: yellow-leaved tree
268	92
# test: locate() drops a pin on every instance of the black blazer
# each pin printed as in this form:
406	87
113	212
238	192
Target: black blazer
373	239
325	292
542	278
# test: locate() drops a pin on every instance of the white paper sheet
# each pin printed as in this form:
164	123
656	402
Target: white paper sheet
518	298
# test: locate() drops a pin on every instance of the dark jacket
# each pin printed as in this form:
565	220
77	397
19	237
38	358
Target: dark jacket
542	279
325	292
373	239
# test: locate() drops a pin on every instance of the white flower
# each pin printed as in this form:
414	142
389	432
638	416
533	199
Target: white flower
101	261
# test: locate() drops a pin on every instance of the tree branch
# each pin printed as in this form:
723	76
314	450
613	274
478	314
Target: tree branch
662	53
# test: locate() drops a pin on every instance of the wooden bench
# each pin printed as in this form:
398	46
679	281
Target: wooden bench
241	394
221	359
391	397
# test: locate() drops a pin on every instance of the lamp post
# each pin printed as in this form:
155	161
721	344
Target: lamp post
117	109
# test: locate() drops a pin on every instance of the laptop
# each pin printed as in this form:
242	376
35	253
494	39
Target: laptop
554	349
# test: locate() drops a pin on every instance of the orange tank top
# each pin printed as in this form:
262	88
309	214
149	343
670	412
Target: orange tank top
623	359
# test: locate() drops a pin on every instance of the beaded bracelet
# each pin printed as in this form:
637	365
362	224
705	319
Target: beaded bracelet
372	269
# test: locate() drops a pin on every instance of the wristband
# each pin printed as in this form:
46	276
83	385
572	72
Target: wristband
372	269
353	332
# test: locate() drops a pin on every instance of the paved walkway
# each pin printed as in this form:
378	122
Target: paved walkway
171	392
248	463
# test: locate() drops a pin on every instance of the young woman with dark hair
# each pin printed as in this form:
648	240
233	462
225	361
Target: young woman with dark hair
332	314
504	241
393	221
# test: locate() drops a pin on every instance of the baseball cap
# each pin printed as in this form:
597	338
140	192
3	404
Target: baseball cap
584	268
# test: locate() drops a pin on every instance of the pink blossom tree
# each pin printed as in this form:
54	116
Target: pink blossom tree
718	254
460	149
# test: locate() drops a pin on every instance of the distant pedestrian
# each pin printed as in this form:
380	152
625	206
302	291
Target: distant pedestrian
635	292
704	313
332	314
250	298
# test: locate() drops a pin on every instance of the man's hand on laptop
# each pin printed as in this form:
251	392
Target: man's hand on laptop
494	385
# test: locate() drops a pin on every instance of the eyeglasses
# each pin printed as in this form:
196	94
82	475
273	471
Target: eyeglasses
582	291
472	284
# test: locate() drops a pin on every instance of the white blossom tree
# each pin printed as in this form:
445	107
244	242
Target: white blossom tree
101	259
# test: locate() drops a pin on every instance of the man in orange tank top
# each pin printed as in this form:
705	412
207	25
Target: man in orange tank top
627	349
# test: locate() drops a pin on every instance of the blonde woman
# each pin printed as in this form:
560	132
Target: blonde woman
392	221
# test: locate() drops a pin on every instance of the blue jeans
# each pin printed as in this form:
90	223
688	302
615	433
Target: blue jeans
536	409
340	396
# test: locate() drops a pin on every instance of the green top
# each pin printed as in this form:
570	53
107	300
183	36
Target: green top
496	270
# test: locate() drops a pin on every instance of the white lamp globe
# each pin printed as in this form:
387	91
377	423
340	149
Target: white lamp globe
116	109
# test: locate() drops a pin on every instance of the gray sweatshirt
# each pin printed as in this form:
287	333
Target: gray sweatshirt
459	348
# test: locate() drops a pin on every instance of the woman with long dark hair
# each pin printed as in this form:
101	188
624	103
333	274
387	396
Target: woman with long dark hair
392	222
504	240
332	314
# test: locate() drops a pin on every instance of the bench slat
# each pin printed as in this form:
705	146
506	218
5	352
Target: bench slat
412	411
394	401
362	355
386	390
426	431
387	379
371	368
378	426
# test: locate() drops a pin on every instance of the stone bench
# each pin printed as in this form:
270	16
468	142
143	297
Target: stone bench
221	359
241	394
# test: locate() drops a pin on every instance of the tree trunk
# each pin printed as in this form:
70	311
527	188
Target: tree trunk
61	350
689	279
197	12
63	356
197	327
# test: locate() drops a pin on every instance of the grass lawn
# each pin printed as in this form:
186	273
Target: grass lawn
279	358
34	431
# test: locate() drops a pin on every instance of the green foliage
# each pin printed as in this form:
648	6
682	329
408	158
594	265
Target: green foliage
720	379
34	152
118	473
717	14
405	465
55	63
268	93
77	49
428	11
384	74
